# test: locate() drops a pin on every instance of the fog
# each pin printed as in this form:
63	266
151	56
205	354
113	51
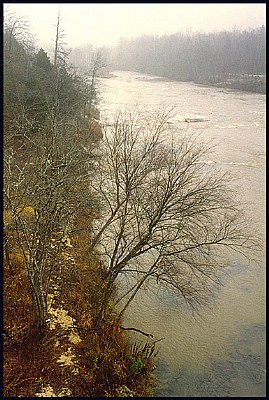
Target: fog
104	23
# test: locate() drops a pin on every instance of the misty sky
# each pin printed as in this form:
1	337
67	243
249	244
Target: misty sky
104	23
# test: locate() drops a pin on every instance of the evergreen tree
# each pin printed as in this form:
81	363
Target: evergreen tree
39	93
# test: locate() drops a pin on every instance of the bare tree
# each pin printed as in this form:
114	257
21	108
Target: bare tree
88	62
42	193
60	52
97	62
16	29
165	213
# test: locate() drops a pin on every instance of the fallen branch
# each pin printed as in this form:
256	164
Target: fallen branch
136	330
121	327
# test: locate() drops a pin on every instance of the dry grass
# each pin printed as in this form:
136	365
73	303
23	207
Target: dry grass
104	363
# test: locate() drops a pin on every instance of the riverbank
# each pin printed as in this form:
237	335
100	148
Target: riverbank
71	356
246	83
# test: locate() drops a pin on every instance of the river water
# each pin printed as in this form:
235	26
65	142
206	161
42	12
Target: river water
219	352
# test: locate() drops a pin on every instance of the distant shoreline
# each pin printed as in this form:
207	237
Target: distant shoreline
245	83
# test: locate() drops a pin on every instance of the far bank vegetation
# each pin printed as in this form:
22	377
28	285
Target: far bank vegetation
231	59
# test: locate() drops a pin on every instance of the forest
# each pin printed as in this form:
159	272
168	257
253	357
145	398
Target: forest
233	59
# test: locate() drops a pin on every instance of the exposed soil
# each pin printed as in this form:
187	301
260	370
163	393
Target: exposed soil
60	320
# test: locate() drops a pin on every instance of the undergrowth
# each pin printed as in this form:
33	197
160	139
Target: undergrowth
107	365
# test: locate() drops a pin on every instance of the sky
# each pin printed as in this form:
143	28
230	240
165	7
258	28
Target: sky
104	23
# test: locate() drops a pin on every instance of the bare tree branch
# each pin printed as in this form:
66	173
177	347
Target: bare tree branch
165	213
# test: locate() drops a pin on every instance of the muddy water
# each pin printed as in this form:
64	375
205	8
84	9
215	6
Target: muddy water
221	350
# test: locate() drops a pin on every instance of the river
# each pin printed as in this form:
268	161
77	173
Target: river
219	352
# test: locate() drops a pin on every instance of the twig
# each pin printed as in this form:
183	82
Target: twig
136	330
121	327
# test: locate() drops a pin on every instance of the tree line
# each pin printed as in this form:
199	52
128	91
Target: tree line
194	56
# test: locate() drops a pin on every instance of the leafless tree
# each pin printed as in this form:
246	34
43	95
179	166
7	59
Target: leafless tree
166	213
88	62
42	193
97	62
16	29
60	52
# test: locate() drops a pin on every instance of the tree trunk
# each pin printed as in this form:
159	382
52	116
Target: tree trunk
39	300
133	295
40	310
7	255
104	304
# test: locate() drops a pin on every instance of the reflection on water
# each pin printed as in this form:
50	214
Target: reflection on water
218	352
221	350
240	373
